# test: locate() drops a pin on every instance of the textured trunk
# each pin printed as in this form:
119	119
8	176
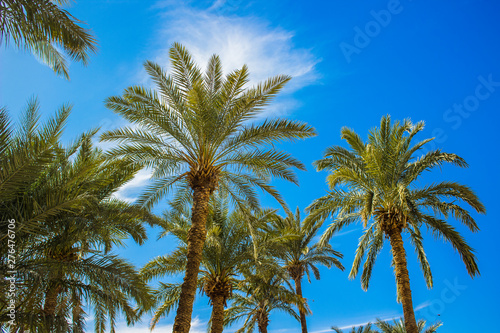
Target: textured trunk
262	322
403	281
217	314
298	291
51	295
196	239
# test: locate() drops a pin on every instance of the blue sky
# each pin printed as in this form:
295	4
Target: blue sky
352	63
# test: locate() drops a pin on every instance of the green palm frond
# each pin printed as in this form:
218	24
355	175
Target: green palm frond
68	262
44	28
376	183
195	123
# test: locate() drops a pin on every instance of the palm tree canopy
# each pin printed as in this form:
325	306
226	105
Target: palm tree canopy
43	28
298	255
262	293
67	199
375	182
227	248
195	129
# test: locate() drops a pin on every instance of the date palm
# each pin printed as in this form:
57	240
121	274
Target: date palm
68	263
43	27
299	256
376	182
26	150
399	326
195	132
227	248
263	292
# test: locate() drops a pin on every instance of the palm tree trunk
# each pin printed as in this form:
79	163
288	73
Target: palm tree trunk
262	322
298	291
196	239
217	314
53	291
403	280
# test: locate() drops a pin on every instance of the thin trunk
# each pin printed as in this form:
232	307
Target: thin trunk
403	281
217	314
196	239
298	291
262	322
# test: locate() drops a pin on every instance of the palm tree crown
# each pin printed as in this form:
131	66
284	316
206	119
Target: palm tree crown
227	249
376	183
195	130
68	224
299	257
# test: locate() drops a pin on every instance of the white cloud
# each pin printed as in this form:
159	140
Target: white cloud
130	190
266	50
423	305
346	232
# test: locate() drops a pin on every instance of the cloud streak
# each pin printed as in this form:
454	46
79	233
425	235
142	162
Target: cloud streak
129	191
266	50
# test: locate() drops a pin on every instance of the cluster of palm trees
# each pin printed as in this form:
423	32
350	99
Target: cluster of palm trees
197	132
67	223
249	259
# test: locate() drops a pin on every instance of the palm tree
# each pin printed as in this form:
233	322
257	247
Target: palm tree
376	183
299	257
227	248
25	152
42	26
68	263
399	326
263	292
195	132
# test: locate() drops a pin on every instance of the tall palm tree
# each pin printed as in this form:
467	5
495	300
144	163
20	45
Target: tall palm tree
376	182
399	326
195	132
227	248
299	256
42	26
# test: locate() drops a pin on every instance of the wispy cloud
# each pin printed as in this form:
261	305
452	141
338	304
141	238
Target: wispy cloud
129	192
266	50
423	305
346	232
